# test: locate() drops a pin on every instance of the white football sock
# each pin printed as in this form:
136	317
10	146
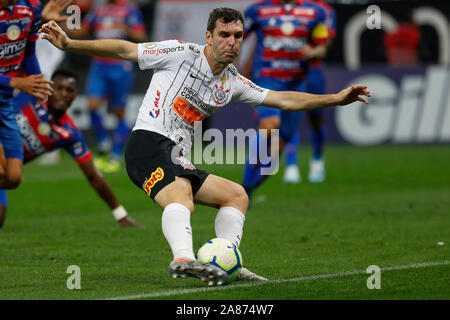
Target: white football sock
230	224
176	226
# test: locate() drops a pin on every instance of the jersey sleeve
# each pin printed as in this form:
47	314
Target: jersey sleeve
331	23
37	21
319	33
135	20
248	92
250	21
89	20
78	148
153	55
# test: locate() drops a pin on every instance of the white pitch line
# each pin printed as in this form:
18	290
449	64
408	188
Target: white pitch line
259	283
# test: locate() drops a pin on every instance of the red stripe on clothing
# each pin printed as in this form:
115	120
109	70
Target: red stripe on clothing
315	63
276	32
84	158
281	54
34	122
283	74
138	28
4	62
331	33
320	40
108	60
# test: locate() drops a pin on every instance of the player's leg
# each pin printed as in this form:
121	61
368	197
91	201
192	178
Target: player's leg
13	174
119	88
316	85
259	159
232	201
168	181
3	206
292	171
11	157
95	92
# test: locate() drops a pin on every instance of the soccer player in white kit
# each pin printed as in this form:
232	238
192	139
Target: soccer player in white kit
190	82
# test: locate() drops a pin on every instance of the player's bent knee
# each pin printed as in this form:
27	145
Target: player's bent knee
14	182
238	198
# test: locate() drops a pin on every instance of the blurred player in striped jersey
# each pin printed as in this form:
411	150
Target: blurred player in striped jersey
289	32
48	128
111	79
315	83
19	21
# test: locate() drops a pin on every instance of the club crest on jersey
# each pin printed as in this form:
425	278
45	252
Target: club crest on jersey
220	94
154	111
287	28
44	129
13	32
156	176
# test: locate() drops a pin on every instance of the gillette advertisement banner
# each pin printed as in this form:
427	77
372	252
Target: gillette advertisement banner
408	105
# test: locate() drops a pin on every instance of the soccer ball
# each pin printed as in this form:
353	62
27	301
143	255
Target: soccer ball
221	253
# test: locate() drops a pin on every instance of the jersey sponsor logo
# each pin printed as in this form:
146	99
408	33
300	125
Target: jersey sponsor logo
25	11
270	11
277	43
12	49
154	111
29	138
157	52
13	32
250	84
187	111
304	12
156	176
192	97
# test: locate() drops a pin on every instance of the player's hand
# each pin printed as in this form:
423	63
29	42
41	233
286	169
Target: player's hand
352	94
307	52
35	85
55	35
128	222
54	10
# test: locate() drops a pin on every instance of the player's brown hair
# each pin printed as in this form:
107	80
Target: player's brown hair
226	15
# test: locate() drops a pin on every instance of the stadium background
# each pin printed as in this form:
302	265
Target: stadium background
382	204
412	97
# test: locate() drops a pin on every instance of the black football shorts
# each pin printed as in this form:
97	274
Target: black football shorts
148	159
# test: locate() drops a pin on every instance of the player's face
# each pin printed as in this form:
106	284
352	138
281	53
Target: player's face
226	40
64	92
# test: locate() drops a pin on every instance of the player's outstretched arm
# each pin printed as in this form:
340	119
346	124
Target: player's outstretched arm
104	191
107	48
301	101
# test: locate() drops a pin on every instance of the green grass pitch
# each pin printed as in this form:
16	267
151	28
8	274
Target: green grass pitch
387	206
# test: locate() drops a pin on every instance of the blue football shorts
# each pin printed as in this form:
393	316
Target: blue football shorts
289	120
10	137
112	81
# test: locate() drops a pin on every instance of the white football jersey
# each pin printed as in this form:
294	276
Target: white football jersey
184	90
